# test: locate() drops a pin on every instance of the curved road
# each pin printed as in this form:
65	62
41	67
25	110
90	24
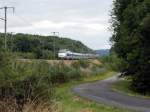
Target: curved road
101	92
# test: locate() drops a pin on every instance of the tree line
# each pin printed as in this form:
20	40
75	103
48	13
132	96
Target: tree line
41	47
131	40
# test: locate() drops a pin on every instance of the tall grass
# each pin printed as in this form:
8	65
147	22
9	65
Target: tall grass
81	63
26	82
31	83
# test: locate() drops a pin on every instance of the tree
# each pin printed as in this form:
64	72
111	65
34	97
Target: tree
131	24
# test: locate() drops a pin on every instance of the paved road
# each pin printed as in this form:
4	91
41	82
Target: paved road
101	92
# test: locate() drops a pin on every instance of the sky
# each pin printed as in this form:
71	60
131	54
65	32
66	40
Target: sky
83	20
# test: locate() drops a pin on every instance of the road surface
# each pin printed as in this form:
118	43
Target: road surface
102	92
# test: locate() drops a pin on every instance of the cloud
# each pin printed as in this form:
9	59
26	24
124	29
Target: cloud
50	24
84	20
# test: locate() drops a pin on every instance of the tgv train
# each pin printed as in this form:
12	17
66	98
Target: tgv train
66	54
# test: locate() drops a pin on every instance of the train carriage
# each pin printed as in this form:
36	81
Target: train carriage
67	54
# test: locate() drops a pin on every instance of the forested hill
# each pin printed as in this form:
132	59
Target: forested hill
37	46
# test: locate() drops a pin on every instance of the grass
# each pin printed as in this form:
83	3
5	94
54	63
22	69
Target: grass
68	102
100	76
123	86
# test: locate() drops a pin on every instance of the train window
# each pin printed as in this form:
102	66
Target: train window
69	54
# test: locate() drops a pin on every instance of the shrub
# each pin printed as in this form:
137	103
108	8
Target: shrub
27	55
61	73
112	62
44	54
74	74
84	63
76	65
22	82
26	81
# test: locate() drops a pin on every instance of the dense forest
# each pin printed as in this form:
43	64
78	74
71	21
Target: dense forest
131	40
41	47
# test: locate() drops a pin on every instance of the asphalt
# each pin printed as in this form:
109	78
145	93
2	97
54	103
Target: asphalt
102	92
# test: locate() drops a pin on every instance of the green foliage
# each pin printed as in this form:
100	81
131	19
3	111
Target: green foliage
32	80
27	55
124	86
44	54
23	82
61	73
26	81
112	62
42	47
130	23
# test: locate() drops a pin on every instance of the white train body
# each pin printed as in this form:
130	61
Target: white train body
66	54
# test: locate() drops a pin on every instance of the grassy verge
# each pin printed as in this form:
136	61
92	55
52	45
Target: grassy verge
68	102
123	86
97	77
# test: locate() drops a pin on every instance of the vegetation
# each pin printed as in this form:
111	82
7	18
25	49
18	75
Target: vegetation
81	63
131	26
112	62
41	47
123	86
23	83
29	86
31	83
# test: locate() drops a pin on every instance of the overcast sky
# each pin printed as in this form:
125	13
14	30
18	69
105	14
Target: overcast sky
84	20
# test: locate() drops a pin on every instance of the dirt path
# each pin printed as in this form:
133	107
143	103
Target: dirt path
101	92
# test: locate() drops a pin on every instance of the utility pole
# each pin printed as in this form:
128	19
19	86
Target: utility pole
5	20
55	34
12	41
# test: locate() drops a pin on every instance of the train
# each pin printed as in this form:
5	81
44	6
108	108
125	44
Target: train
67	54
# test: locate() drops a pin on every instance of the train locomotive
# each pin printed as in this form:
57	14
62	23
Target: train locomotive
67	54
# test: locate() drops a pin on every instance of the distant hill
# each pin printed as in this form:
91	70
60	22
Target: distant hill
102	52
38	46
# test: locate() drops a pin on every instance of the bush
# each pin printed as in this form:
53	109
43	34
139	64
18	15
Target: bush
61	73
44	54
25	81
22	82
96	70
84	63
112	62
74	74
75	64
25	55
